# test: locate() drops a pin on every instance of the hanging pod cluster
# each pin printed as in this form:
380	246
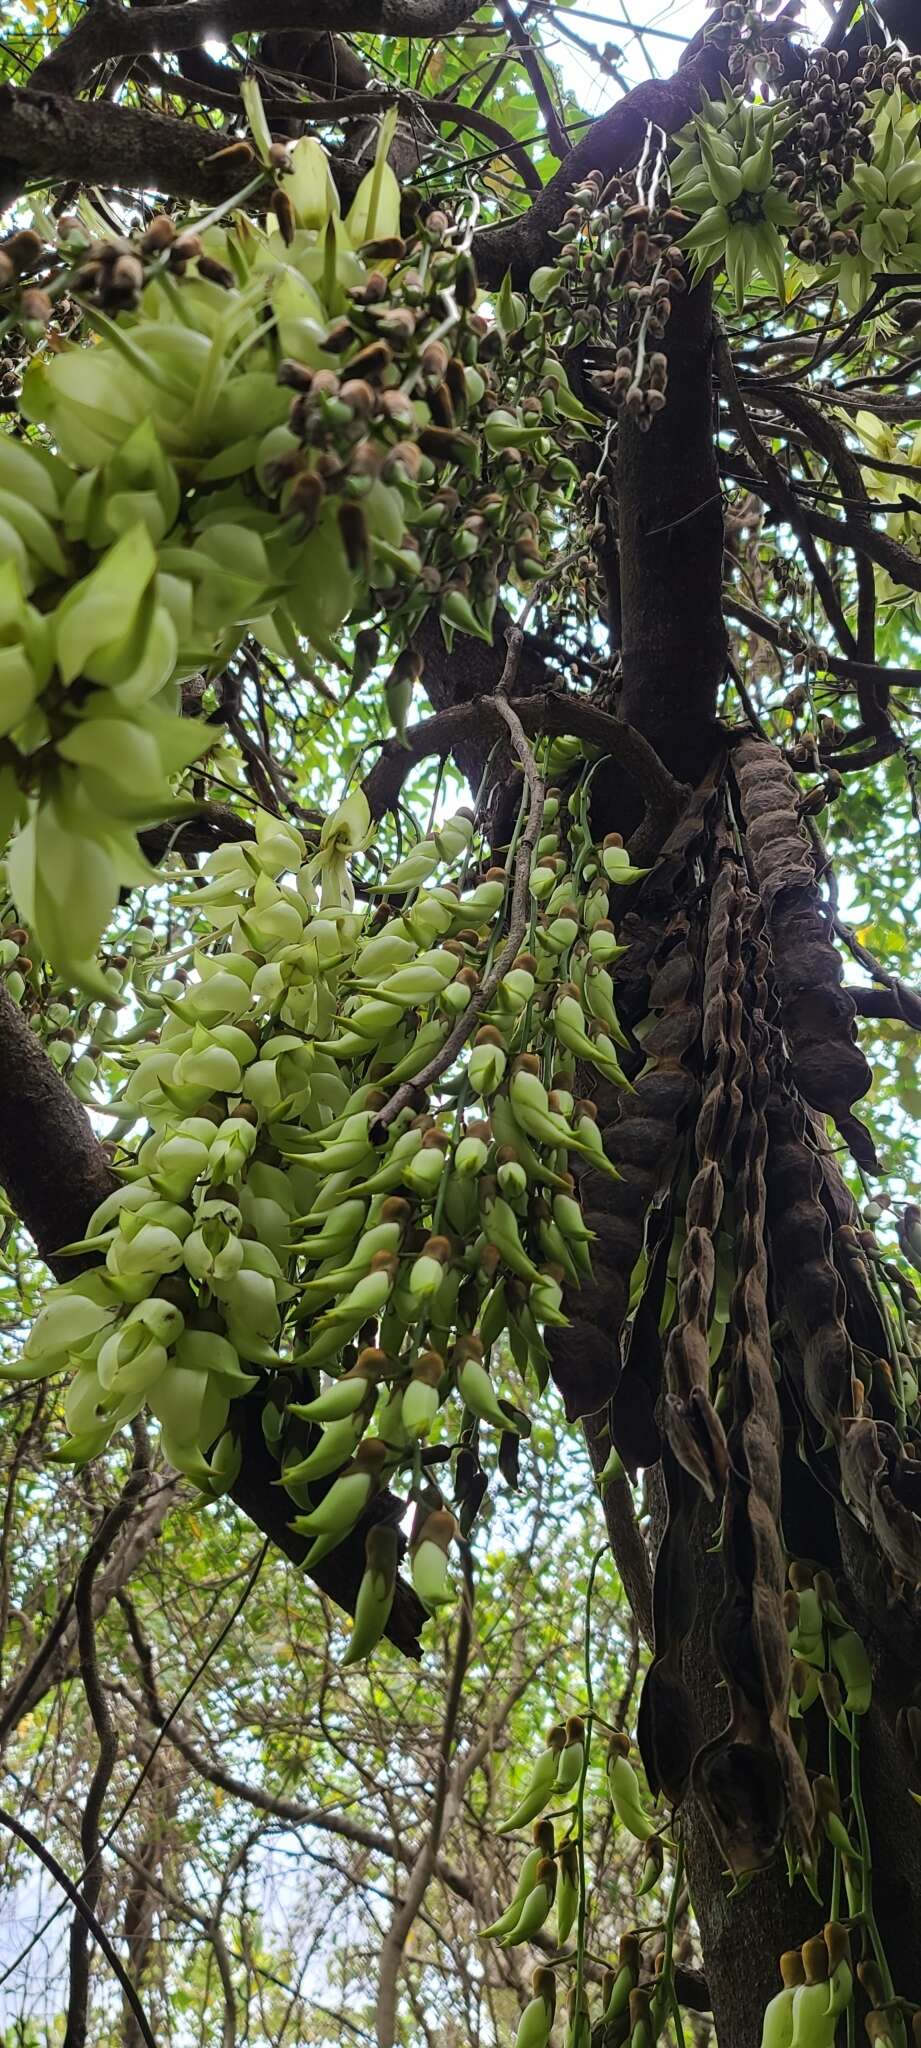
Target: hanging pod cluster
259	432
194	1242
618	253
300	1205
740	1315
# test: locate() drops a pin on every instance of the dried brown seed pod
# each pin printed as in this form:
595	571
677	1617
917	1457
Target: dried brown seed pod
35	306
158	235
284	214
186	248
24	250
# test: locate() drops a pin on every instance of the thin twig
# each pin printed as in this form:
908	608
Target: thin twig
107	1752
55	1659
625	1702
102	1542
530	58
547	711
401	1925
112	1831
825	436
784	634
624	1534
778	491
588	1674
906	1002
31	1841
196	1918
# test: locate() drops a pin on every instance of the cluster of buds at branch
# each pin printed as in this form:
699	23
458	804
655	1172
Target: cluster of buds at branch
650	266
622	253
191	496
834	161
817	1988
830	136
754	43
851	164
829	1659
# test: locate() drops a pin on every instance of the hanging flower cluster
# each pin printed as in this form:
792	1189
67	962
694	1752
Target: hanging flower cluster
273	433
304	1202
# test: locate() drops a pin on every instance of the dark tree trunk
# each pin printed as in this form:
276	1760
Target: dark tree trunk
674	643
674	659
743	1936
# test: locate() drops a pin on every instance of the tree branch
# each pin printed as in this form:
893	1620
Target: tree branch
784	634
780	496
57	1871
106	29
217	825
899	1000
45	135
674	643
52	1661
809	524
293	1812
53	137
531	60
624	1535
423	1867
52	1165
613	143
548	711
901	1004
48	138
106	1756
257	1492
417	108
20	1694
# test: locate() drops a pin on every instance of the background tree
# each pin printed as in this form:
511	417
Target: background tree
683	430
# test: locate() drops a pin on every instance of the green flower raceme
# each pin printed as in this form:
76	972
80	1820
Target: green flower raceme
271	1220
723	173
882	199
278	431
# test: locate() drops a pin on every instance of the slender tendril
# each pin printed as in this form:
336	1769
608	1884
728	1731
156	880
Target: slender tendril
601	1552
866	1864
